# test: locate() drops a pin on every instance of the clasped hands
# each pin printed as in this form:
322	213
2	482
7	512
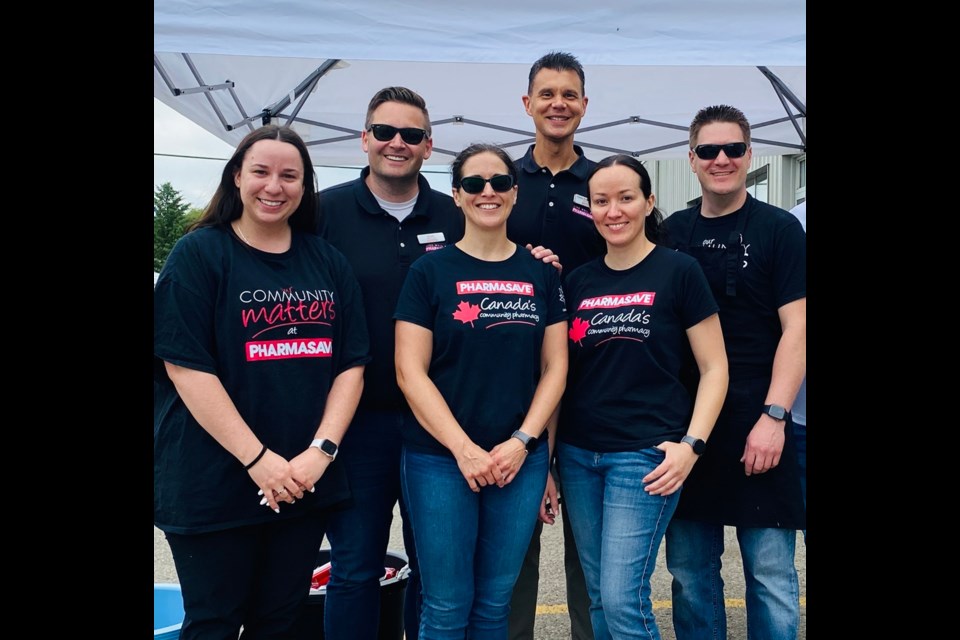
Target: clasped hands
499	466
281	480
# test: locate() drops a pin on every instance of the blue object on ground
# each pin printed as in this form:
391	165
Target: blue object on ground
167	611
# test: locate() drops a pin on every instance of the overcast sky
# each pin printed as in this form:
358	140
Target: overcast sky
191	159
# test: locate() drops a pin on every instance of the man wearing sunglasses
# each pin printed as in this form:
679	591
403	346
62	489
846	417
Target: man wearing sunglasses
382	222
754	257
553	210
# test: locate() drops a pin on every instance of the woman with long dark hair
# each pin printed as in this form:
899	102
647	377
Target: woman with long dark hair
629	432
259	348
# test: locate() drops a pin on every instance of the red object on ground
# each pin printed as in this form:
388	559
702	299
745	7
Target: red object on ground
321	576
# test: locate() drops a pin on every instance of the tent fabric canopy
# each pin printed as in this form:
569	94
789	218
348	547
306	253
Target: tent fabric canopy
226	64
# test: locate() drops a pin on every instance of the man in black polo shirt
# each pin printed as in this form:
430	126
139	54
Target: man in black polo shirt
553	210
382	222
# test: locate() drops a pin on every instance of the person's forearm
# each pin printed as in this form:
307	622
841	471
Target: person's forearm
711	392
545	401
706	342
431	410
789	366
553	380
210	405
342	401
412	360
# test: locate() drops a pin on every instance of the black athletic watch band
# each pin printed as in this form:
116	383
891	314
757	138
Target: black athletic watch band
776	412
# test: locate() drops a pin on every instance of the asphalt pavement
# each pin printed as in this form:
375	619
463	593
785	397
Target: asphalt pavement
553	622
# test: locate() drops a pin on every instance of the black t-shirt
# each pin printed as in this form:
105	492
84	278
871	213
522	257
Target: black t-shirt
755	262
554	211
380	249
276	329
488	320
770	272
627	345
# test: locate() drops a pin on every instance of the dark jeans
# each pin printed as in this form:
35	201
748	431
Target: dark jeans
359	535
257	577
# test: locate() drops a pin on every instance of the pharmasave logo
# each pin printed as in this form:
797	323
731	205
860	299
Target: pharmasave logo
494	286
641	298
295	348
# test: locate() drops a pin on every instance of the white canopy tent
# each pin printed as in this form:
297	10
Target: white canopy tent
230	65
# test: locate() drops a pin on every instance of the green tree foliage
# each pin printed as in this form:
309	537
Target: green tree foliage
191	216
169	211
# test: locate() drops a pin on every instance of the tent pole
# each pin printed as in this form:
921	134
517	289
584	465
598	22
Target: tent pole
310	81
784	92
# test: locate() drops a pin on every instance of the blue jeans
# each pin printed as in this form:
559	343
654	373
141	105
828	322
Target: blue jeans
359	535
618	527
470	545
800	439
770	576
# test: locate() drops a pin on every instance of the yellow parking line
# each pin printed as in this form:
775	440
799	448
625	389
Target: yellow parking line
733	603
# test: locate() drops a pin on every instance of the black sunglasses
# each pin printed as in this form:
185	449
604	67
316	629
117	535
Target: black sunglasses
386	132
711	151
476	184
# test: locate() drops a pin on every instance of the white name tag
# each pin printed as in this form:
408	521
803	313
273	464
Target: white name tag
427	238
581	200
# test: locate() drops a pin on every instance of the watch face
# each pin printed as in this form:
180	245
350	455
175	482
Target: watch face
328	448
698	445
776	411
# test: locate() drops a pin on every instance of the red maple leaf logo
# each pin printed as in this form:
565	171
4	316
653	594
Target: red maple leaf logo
579	330
466	312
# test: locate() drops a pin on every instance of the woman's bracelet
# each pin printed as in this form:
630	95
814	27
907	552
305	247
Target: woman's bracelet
257	459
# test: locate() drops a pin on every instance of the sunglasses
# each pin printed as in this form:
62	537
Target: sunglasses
385	132
476	184
711	151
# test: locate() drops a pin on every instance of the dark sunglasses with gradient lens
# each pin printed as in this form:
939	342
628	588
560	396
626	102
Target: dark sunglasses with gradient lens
711	151
385	133
476	184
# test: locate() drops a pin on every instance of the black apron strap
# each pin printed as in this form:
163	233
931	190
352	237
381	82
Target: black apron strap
693	226
735	250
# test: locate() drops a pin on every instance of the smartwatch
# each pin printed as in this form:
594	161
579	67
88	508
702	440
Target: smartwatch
529	442
776	412
699	446
327	447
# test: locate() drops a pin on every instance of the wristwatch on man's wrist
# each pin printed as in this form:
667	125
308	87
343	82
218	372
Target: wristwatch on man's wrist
776	412
529	442
699	446
327	447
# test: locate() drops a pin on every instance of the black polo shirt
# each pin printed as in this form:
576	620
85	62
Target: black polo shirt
554	211
381	249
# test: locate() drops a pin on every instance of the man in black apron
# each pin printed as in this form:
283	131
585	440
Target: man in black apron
754	256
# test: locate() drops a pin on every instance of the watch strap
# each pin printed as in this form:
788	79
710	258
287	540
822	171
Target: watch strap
698	445
328	448
776	412
529	441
